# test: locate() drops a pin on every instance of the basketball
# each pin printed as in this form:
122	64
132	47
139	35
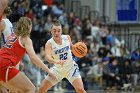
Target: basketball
79	49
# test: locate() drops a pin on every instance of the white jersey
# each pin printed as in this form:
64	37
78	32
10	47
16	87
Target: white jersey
62	52
7	31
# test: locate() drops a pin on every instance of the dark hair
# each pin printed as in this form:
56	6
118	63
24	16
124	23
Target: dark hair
112	59
7	11
55	23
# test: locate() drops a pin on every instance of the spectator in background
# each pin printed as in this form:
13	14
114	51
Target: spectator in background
87	29
115	50
66	29
73	33
71	18
110	72
30	14
135	55
103	52
21	8
35	25
135	72
14	17
77	25
105	62
63	19
103	32
48	24
95	29
93	55
127	71
111	39
96	73
57	9
139	42
124	50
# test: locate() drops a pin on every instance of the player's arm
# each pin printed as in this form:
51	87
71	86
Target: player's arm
69	38
3	4
2	26
27	43
48	53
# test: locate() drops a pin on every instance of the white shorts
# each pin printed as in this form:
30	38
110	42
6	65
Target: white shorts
70	73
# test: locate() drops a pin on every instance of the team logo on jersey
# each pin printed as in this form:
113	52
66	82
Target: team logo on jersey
66	48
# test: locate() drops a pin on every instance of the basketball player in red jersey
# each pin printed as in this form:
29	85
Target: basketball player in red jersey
12	52
3	4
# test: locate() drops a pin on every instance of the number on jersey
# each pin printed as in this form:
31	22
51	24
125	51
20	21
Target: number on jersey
63	56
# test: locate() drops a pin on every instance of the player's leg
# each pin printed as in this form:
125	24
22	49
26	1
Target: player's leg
78	85
3	89
6	87
45	86
48	82
74	78
21	82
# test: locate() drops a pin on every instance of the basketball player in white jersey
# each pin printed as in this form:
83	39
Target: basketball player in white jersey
58	52
6	26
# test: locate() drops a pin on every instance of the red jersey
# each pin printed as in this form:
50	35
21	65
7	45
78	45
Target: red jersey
13	50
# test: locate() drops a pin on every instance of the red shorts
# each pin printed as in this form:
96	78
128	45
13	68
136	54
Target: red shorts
7	70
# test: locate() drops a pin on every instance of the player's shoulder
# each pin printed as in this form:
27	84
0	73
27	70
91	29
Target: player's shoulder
2	24
5	20
48	44
65	36
50	40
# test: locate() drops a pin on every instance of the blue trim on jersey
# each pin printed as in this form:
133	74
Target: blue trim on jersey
75	69
3	38
74	72
12	30
76	59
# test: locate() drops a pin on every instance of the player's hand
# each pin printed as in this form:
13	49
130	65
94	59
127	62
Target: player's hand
52	75
61	62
